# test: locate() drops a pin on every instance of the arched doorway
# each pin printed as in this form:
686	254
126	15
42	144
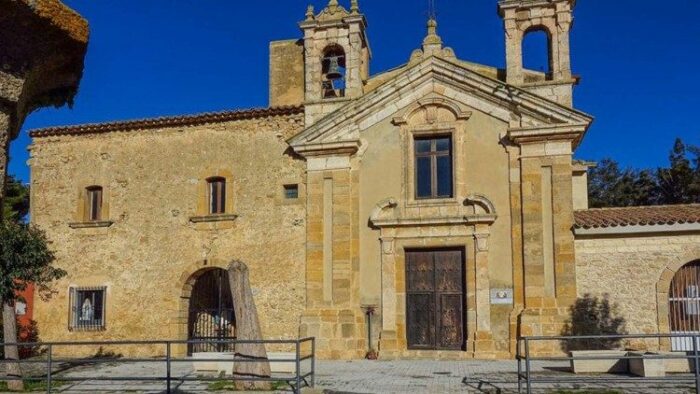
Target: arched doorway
684	305
211	315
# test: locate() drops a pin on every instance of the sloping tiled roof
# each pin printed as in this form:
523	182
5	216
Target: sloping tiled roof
168	121
637	216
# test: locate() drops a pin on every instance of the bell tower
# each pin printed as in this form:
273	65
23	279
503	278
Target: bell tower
554	17
336	57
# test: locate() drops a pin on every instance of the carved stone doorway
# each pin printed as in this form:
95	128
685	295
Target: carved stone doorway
435	299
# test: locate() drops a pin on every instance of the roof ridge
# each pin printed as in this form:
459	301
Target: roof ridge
166	121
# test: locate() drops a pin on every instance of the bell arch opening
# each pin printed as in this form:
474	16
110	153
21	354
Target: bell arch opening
210	314
537	51
333	68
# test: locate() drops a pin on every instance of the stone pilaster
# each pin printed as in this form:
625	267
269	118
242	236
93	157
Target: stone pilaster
483	339
333	313
547	218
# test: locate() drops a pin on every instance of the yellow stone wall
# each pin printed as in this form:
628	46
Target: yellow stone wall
153	181
634	272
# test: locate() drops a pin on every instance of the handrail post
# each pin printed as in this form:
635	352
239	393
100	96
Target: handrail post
49	367
528	383
298	368
697	363
167	365
313	362
520	366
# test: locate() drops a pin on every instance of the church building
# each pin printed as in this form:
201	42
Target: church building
432	210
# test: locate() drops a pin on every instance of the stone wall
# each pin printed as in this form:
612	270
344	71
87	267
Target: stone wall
634	272
286	72
148	257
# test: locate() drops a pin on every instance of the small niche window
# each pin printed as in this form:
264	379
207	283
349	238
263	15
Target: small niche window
333	69
217	195
87	308
291	192
433	167
93	202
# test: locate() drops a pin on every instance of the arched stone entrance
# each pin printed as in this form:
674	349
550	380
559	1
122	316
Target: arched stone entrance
210	314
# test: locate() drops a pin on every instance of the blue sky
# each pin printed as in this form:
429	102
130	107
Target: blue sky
637	60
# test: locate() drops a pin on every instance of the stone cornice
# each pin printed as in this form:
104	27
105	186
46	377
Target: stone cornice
434	69
637	230
536	134
488	217
340	148
170	121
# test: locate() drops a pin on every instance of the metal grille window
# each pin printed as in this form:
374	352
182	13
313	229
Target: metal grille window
87	308
291	192
217	195
433	167
94	203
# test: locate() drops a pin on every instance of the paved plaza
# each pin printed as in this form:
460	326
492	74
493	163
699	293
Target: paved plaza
362	376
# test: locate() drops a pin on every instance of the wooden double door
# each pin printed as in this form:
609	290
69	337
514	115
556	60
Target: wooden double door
435	299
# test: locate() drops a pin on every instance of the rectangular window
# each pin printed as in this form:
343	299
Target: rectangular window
217	196
94	203
433	167
87	308
291	192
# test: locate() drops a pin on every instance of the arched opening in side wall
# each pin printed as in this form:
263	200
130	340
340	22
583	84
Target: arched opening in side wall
684	305
211	315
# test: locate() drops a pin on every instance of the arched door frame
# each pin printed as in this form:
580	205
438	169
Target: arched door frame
663	288
186	283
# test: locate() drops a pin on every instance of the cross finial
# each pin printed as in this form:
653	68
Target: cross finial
432	9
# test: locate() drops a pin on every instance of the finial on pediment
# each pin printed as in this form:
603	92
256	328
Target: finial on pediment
432	42
355	7
310	13
333	6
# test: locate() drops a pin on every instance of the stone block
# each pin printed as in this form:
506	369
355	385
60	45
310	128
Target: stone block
642	365
599	366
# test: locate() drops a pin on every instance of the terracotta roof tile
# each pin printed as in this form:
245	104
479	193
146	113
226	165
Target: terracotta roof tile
637	216
168	121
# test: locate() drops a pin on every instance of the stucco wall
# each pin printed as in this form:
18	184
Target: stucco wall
153	186
485	171
628	268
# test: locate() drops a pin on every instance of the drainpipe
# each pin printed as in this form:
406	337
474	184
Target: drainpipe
369	311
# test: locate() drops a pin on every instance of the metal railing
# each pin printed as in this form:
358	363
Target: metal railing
48	357
529	378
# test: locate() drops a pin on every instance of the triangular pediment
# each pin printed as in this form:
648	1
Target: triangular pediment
437	78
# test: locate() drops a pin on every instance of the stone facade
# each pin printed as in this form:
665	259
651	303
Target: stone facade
321	261
150	251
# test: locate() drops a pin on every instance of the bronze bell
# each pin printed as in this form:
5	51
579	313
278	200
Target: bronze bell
334	71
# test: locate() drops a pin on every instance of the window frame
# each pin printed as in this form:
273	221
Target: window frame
94	201
433	154
294	188
216	204
75	323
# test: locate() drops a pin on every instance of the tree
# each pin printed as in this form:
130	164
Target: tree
676	182
24	258
16	201
611	186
